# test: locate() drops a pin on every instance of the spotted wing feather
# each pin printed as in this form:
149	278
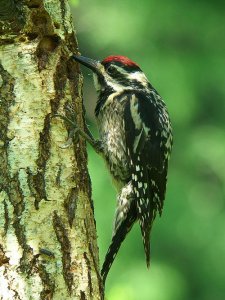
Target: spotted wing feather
145	128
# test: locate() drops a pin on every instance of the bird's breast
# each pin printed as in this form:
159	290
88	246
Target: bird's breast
112	134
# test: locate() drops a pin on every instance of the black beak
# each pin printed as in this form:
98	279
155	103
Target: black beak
92	64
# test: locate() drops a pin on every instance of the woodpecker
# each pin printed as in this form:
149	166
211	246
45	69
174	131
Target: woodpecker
135	141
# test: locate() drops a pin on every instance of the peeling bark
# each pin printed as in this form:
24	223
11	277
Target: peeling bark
48	247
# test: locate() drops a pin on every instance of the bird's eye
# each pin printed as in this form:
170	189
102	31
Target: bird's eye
110	70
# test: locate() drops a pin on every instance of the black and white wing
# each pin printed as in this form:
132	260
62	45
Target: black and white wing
148	141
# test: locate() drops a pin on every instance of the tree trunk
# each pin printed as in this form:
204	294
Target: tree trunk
48	246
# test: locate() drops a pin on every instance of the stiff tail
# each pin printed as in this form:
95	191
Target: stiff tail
145	231
146	209
146	216
117	240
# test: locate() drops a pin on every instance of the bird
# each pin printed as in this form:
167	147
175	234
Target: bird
135	141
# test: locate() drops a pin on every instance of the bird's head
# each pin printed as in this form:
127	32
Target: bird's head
115	72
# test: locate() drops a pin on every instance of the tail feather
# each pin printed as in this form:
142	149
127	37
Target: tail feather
146	242
146	208
145	222
117	240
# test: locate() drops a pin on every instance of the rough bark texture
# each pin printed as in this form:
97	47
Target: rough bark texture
48	246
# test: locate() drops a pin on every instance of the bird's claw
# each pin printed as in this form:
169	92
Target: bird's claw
73	133
76	131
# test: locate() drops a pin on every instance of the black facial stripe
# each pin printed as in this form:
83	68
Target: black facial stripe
101	100
128	82
102	80
121	78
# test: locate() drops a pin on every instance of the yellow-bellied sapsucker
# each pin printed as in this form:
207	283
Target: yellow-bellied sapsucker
135	140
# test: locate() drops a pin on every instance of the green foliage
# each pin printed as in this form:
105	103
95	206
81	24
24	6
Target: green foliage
180	45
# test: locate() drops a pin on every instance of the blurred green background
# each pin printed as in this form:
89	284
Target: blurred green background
180	45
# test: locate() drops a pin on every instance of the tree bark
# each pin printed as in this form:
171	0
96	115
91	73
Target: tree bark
48	247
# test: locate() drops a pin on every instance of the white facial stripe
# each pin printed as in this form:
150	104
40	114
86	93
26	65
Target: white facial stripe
134	76
120	70
96	83
110	81
138	76
116	86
